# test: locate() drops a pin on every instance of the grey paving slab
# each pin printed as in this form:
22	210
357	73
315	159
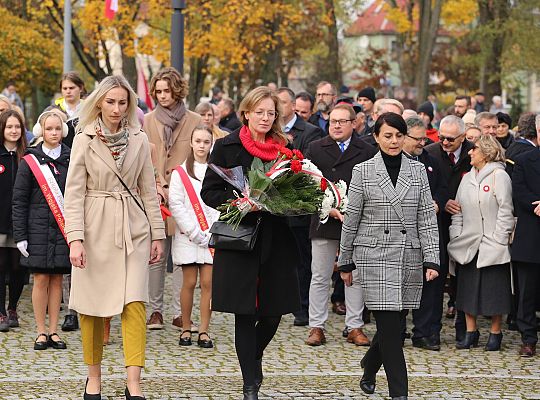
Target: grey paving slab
292	369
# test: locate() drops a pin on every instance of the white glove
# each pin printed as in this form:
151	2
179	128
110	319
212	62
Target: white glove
200	238
22	246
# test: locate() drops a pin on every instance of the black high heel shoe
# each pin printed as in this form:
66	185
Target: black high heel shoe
494	342
470	340
130	397
367	382
251	392
87	396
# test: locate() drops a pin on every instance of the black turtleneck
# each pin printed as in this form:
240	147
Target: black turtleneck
393	165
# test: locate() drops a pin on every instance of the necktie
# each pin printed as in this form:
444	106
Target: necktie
452	157
342	147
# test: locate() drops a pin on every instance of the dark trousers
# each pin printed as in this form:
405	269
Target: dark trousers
338	295
386	349
303	243
528	276
9	266
427	318
460	324
251	336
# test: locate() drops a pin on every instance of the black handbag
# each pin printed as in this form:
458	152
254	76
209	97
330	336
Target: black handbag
225	237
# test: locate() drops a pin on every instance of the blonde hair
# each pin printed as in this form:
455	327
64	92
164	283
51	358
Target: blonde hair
90	111
250	102
6	100
490	148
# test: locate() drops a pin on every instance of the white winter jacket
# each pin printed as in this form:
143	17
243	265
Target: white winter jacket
486	219
190	243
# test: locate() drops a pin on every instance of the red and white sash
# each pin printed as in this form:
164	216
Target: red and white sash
194	200
50	189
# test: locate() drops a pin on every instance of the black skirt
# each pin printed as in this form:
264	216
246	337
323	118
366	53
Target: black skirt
484	291
50	271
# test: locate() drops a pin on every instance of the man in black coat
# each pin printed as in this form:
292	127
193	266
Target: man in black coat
526	140
427	319
525	254
452	154
301	134
335	155
229	120
325	101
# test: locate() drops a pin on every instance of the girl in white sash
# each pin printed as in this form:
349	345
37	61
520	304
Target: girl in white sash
190	245
36	229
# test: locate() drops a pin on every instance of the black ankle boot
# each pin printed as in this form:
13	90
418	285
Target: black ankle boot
470	340
258	373
400	398
251	392
367	382
494	342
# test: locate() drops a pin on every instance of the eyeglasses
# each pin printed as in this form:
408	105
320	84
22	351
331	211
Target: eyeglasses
339	122
270	114
418	140
449	139
324	94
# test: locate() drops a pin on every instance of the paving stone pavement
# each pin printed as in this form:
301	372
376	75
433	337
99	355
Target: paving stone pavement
292	369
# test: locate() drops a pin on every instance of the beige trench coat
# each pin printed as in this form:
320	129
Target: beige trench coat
116	233
167	161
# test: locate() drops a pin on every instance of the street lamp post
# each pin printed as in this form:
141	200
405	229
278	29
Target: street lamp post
177	35
67	36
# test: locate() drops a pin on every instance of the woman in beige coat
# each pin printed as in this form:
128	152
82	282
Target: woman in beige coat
113	226
479	237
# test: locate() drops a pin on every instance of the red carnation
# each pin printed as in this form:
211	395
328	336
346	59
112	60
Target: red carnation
287	153
324	185
296	166
298	154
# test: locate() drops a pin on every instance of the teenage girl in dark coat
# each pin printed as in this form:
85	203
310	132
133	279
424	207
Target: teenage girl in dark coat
35	230
12	148
262	285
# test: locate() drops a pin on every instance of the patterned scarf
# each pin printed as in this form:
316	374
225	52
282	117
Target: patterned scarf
116	142
266	151
170	118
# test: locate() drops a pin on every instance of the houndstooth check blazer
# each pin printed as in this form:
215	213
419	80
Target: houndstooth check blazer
389	233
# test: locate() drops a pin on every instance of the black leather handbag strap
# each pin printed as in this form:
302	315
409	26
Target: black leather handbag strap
131	194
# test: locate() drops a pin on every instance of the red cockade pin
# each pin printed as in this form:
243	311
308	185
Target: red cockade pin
486	188
2	169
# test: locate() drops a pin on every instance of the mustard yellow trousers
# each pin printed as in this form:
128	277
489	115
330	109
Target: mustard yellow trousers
133	335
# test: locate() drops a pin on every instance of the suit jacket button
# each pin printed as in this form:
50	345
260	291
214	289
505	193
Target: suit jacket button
386	231
333	170
404	231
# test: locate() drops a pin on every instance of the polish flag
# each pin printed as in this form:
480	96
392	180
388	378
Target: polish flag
111	8
142	87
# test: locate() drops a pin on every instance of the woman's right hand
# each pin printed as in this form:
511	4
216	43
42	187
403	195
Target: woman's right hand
77	254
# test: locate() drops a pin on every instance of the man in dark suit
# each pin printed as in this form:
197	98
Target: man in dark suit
301	134
427	319
453	158
525	254
526	139
335	155
229	120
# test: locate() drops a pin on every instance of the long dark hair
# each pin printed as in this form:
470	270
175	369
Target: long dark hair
21	143
191	158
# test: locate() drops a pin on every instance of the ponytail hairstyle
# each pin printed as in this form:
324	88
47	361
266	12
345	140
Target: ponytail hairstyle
191	158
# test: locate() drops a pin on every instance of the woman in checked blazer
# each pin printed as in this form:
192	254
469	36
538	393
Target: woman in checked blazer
389	240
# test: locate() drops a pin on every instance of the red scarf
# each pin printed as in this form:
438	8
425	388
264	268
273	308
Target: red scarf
266	151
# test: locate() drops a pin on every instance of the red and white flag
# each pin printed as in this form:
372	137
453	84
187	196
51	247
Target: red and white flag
142	87
111	8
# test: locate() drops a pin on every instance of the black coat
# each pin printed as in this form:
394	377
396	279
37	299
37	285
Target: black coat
518	147
68	140
438	185
8	172
452	175
526	190
230	122
314	120
303	133
32	218
266	276
335	166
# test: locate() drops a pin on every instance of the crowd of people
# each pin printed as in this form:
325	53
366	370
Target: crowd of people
101	200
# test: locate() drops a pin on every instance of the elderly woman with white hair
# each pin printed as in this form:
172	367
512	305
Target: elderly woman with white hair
111	178
479	242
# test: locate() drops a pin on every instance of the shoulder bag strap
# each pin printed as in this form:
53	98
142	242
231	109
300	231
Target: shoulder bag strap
131	194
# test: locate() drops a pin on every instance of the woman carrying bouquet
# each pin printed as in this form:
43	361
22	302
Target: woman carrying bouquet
261	285
190	244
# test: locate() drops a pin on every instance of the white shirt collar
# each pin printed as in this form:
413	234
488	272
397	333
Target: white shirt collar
290	124
346	143
53	153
